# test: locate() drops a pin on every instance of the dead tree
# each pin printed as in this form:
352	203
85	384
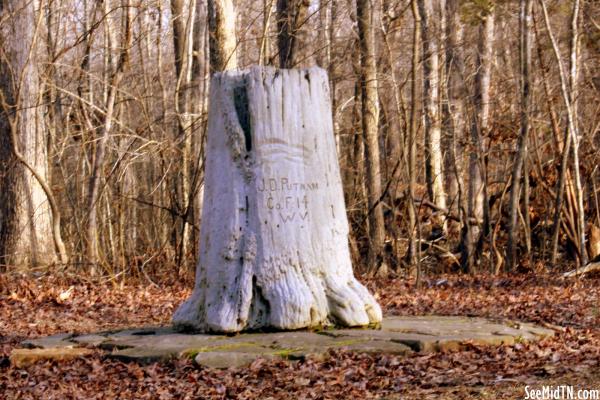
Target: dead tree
274	237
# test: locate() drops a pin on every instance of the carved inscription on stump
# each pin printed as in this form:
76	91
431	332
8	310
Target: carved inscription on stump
288	200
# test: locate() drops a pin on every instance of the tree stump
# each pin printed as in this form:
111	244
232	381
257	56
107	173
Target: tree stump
274	234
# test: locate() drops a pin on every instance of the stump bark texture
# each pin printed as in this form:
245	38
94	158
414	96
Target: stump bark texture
274	234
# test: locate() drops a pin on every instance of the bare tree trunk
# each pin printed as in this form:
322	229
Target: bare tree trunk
476	201
323	49
431	105
356	160
85	90
569	97
574	95
564	179
331	67
397	151
199	97
518	163
161	195
222	36
184	18
456	109
264	57
85	87
412	144
562	146
370	126
94	181
29	214
396	136
291	18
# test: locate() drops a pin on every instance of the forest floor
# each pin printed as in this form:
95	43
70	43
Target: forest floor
32	307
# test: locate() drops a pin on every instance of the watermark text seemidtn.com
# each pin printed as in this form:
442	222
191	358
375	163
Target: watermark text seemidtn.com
560	392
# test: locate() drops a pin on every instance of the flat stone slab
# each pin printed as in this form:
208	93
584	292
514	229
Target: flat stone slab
397	335
436	333
23	357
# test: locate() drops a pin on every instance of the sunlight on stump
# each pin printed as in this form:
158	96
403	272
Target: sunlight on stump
274	234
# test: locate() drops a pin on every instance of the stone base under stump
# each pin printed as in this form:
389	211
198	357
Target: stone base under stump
398	335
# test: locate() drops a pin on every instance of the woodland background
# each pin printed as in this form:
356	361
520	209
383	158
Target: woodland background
467	130
467	134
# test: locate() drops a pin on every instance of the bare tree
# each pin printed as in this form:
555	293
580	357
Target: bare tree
324	34
455	118
222	37
99	158
412	144
432	106
370	121
521	154
476	200
183	30
29	213
291	20
264	56
568	85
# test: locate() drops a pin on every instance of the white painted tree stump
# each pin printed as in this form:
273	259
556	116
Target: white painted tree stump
274	234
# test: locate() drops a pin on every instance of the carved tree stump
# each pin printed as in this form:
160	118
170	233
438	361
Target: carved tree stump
274	234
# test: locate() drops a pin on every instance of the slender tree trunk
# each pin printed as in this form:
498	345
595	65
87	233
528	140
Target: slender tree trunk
199	95
95	178
354	171
476	201
370	121
521	154
331	68
563	146
184	18
399	120
431	105
291	18
574	95
412	144
109	50
86	99
568	85
397	152
323	47
29	214
162	195
455	120
85	88
264	57
222	35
